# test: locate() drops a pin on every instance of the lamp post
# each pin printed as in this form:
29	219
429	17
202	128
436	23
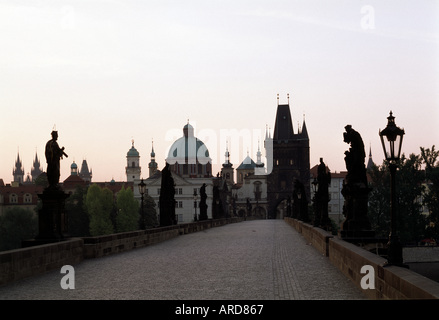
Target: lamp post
299	206
142	189
392	152
315	187
195	204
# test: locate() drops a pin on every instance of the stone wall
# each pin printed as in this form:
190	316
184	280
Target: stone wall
421	254
21	263
95	247
391	282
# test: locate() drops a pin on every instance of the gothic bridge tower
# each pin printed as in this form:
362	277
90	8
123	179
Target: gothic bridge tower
290	162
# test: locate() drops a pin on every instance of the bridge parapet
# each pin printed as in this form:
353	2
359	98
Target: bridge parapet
21	263
391	282
30	261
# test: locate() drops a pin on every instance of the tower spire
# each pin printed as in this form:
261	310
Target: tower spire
152	164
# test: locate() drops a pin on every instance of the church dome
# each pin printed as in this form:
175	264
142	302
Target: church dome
247	164
132	152
188	149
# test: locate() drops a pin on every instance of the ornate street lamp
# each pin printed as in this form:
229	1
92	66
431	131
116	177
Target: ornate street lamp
142	190
392	152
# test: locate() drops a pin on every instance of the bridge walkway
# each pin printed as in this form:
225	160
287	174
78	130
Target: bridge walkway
251	260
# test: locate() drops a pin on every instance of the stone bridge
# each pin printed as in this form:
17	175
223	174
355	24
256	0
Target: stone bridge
210	260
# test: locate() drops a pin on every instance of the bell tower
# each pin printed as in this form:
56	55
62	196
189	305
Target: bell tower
133	164
227	169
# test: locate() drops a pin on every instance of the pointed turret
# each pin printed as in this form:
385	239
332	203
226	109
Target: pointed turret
227	170
152	165
370	163
304	131
36	168
18	171
85	174
259	163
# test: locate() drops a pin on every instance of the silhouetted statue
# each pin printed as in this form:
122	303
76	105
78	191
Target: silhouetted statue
323	180
355	157
300	202
203	204
167	201
355	188
52	217
248	212
53	155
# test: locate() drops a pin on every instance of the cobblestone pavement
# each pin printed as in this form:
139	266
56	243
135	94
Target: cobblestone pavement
251	260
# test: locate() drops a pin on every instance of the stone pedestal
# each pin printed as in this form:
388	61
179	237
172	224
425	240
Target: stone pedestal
52	218
357	224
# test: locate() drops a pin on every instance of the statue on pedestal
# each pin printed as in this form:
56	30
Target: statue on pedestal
355	189
323	181
167	198
52	218
53	155
203	204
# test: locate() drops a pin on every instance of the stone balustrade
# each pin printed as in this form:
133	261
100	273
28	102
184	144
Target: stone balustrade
30	261
391	282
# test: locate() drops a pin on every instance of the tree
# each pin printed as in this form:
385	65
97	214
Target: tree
431	196
99	206
409	188
379	200
16	225
127	211
78	218
150	212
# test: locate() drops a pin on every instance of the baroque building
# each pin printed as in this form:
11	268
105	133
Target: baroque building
191	168
133	168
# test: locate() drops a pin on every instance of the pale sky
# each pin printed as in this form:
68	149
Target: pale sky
107	72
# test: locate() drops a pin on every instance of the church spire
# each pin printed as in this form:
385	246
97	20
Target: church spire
36	168
227	155
18	171
259	162
304	131
370	163
152	164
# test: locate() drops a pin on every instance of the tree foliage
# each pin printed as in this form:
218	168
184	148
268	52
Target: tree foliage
379	200
17	224
150	212
431	197
78	218
409	189
98	205
127	218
